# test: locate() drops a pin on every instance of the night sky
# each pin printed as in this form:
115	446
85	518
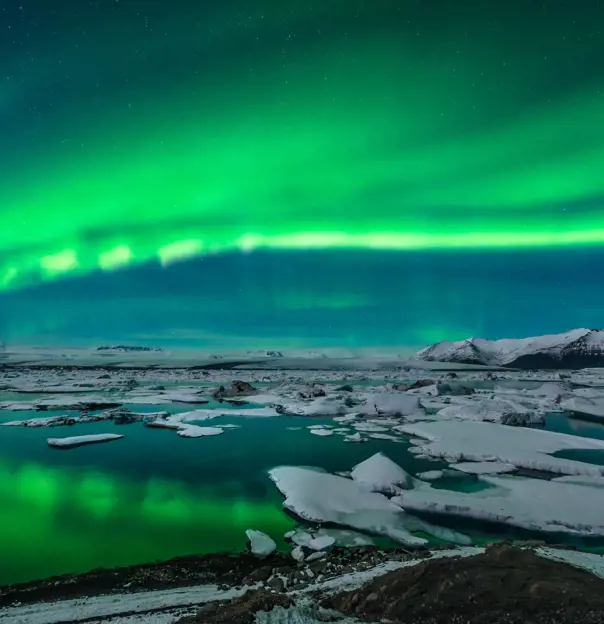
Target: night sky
291	173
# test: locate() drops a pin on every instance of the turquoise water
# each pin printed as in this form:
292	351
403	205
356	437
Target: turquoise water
574	426
154	495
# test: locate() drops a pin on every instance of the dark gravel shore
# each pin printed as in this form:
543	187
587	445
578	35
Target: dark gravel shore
505	585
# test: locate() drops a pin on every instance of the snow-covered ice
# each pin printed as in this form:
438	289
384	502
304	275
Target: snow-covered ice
478	468
321	543
321	432
355	437
391	404
522	447
73	441
533	504
591	407
582	480
194	431
321	497
379	473
496	410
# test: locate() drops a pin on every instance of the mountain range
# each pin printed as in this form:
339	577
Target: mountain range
578	348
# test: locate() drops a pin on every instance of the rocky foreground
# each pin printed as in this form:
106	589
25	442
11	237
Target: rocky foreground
506	584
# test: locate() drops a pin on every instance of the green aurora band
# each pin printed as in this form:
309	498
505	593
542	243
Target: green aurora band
367	142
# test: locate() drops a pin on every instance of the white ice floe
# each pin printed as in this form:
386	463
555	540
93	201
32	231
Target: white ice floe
533	504
205	414
74	441
385	422
322	497
384	436
355	437
478	468
391	404
551	391
379	473
321	432
183	397
522	447
597	482
496	410
348	418
194	431
369	427
346	538
182	421
261	544
45	421
591	407
78	402
264	399
17	406
322	406
301	538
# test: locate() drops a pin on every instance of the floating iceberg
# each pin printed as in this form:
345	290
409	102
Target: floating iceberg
73	441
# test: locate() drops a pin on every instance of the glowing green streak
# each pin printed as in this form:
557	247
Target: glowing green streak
339	157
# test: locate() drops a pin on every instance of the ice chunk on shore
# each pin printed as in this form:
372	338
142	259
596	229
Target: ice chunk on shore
343	537
533	504
478	468
73	441
322	497
524	448
298	553
379	473
260	543
321	542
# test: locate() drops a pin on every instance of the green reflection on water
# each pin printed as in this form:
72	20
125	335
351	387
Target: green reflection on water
152	495
68	520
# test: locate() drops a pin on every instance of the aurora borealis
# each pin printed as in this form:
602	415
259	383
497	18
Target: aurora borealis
401	171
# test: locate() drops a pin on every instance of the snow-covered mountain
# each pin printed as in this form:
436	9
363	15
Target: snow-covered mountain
578	348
